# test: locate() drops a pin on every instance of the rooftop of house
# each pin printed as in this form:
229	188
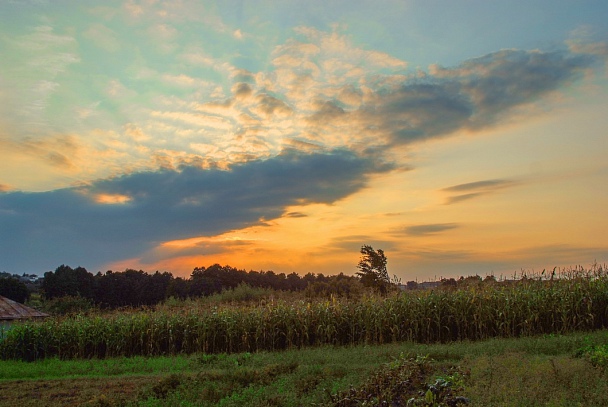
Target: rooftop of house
11	310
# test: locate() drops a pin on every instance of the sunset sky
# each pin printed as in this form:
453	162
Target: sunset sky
461	137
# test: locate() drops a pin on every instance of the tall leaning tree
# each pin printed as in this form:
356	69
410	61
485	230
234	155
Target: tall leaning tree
372	268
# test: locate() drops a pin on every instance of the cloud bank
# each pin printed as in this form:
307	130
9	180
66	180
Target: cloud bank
312	127
479	93
119	217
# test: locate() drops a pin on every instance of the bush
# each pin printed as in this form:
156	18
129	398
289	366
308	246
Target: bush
68	305
242	293
596	355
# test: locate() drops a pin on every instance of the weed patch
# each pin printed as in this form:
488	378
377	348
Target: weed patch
405	382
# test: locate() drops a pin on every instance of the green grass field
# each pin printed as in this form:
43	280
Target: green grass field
533	342
549	370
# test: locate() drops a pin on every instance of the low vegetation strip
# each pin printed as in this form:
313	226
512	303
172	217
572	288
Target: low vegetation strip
515	309
547	370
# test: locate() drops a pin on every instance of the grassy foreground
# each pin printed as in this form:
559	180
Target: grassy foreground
550	370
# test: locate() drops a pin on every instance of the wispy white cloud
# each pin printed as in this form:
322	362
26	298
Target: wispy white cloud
321	61
116	89
310	97
186	81
103	37
174	12
38	59
584	40
200	120
324	92
57	152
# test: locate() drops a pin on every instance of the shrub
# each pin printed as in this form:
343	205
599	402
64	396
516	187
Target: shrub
68	305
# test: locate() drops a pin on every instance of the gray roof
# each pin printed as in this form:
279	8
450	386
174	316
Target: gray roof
10	310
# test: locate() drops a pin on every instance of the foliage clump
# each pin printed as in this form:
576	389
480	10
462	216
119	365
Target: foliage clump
166	385
597	355
405	382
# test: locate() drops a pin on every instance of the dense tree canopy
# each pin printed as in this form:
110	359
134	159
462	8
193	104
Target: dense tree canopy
13	289
138	288
68	281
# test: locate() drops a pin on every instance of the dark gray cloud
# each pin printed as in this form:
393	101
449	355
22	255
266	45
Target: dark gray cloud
242	89
326	111
502	80
42	230
415	112
464	197
270	105
480	185
429	229
295	215
476	189
242	75
479	93
444	255
302	145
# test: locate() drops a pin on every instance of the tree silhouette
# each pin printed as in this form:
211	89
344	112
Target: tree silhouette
372	268
65	280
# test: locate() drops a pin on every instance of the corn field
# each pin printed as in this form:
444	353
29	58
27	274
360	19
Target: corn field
522	308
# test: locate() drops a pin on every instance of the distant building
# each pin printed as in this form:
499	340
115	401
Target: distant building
427	285
13	311
413	285
29	278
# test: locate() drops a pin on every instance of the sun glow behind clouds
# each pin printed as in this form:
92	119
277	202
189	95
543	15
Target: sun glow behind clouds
290	143
199	241
112	199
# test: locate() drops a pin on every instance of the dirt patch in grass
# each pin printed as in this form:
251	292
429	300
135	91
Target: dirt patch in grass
72	392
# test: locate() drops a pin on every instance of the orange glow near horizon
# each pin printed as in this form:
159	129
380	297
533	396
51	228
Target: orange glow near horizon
500	231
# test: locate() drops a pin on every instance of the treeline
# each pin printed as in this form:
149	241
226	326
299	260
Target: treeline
18	287
138	288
